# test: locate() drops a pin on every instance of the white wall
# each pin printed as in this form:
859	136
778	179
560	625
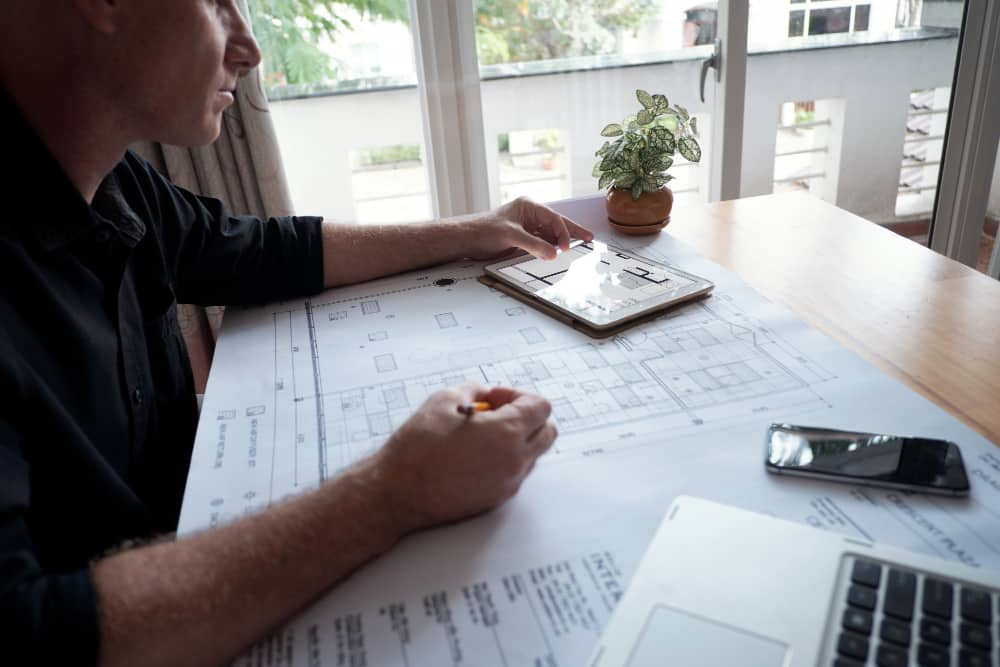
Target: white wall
870	84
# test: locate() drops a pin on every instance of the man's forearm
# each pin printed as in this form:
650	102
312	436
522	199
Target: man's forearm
200	600
354	253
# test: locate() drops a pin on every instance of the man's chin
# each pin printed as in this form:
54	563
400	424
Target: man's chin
193	138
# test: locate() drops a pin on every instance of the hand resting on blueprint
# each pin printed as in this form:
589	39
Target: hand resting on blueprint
357	252
441	466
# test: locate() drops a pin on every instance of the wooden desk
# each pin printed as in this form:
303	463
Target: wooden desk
922	318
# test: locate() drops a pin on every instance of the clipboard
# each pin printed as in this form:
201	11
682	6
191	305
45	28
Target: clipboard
598	289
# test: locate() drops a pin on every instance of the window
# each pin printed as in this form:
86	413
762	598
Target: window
342	89
825	17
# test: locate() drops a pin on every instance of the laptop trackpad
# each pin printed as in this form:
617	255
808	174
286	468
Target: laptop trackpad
675	637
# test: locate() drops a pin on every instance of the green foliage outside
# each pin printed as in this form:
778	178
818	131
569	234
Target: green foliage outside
395	154
290	31
644	144
520	30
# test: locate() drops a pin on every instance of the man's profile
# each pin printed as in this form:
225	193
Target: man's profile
98	416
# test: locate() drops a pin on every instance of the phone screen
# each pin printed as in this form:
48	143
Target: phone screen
872	458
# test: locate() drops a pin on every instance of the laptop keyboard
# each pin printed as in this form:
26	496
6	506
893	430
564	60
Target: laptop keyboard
895	617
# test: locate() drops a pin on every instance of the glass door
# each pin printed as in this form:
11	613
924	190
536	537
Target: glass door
554	73
847	100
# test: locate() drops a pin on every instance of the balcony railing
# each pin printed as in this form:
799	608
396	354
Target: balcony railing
856	163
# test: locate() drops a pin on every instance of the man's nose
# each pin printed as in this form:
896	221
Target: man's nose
242	50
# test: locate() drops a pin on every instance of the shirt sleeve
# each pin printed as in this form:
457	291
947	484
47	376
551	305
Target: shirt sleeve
216	258
46	618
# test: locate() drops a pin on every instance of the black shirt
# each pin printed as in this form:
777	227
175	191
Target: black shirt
97	406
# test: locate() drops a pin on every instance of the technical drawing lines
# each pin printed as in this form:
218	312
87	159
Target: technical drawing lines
318	384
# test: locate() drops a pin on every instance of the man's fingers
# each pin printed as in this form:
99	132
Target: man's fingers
536	245
543	437
577	231
530	410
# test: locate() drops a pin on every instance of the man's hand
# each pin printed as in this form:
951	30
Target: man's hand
524	224
441	466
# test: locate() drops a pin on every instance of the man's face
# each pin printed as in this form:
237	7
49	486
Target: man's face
177	62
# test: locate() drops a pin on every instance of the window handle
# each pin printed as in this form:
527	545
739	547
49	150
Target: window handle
714	62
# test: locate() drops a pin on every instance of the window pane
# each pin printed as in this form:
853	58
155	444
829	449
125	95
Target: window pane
555	72
796	23
861	15
342	89
824	21
877	79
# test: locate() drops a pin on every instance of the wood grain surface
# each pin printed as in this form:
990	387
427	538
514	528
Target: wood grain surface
924	319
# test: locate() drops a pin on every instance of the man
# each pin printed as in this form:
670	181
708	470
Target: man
98	415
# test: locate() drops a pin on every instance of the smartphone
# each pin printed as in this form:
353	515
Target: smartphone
875	459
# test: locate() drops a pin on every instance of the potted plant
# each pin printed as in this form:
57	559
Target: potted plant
634	165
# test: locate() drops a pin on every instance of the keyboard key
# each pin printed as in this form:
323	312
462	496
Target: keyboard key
929	655
844	662
932	631
938	597
866	573
862	596
890	656
851	645
895	632
967	658
858	620
975	636
975	605
900	592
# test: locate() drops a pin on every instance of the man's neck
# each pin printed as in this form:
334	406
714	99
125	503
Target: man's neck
81	133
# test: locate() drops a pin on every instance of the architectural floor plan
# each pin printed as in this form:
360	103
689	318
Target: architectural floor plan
301	389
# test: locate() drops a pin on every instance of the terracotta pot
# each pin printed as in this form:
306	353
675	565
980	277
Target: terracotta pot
646	215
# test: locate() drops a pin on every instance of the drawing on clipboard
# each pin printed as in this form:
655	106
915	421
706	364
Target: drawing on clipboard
596	287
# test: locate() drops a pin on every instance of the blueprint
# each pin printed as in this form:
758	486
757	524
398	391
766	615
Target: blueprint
678	405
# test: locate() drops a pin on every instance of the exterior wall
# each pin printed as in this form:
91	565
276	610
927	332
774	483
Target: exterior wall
865	91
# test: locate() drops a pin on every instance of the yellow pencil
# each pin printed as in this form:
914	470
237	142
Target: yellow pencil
475	406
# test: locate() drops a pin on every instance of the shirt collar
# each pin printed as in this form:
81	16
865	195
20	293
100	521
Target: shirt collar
46	206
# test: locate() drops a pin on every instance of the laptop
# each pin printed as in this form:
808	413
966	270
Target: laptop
725	586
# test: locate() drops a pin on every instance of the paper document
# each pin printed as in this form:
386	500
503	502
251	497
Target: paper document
679	405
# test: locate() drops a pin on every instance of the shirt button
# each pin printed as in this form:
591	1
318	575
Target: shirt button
137	396
103	236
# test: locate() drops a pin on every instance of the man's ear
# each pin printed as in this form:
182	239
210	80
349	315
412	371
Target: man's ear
102	15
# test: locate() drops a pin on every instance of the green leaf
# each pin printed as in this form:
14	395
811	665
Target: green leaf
662	163
645	99
636	190
694	126
603	150
682	112
633	126
645	117
689	148
597	171
649	184
611	130
662	140
625	181
606	179
660	103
